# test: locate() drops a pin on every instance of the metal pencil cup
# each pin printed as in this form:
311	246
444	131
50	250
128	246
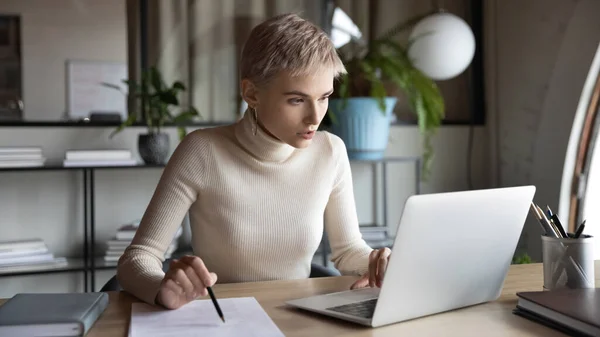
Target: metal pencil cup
568	262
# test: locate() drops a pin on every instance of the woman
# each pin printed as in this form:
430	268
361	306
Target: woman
259	191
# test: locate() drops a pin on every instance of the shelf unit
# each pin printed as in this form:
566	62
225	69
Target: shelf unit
90	263
95	124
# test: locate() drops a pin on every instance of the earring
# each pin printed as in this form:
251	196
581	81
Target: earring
255	119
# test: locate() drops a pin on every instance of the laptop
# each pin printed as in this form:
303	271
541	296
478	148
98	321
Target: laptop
451	250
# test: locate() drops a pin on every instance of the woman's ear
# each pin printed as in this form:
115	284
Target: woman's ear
249	93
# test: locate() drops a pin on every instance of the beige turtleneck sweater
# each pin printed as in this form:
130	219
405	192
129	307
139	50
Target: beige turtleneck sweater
257	209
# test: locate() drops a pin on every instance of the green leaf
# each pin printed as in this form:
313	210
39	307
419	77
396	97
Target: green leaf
395	73
186	116
132	86
343	93
182	132
144	86
128	122
168	97
179	86
522	259
156	79
112	86
377	89
343	87
403	26
415	38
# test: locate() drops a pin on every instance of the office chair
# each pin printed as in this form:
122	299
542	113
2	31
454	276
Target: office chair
315	271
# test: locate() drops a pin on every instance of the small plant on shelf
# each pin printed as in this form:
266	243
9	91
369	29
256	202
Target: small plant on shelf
156	102
522	259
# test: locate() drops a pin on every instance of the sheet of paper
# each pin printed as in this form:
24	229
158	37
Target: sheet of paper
243	317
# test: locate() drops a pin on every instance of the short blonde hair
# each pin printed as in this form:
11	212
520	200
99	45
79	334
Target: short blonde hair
287	42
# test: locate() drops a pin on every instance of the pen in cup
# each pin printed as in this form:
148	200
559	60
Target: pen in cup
580	230
547	227
552	229
554	218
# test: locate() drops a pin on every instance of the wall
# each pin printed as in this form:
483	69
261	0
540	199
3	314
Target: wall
57	30
537	60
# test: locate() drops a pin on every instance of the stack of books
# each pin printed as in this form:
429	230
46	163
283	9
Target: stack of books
87	158
572	311
25	255
21	157
122	239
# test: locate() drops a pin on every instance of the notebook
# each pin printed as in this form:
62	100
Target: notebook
573	311
51	314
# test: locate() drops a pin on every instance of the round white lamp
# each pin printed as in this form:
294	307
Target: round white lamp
443	46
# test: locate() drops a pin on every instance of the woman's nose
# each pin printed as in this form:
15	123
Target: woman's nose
313	116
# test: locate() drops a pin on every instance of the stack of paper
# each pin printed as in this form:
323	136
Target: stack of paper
116	246
21	157
243	317
84	158
27	255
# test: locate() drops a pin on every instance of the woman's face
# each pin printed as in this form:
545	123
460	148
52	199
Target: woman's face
290	109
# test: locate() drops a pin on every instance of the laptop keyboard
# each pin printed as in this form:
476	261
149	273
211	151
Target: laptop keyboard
364	309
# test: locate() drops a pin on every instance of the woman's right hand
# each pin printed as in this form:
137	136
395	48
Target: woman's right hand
186	279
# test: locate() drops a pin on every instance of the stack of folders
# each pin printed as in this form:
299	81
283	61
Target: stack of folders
21	157
26	255
551	225
88	158
117	245
574	312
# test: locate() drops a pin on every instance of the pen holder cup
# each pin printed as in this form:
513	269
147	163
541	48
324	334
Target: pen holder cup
568	262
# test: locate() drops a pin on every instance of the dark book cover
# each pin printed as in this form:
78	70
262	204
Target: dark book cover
573	309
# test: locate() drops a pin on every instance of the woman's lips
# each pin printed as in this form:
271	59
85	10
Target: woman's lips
307	135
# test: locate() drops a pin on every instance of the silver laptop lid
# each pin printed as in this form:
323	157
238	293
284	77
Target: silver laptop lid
451	250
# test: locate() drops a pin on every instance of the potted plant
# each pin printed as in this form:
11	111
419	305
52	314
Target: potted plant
360	112
522	259
156	100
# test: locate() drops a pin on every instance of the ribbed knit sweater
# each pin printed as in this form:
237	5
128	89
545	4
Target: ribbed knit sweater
257	209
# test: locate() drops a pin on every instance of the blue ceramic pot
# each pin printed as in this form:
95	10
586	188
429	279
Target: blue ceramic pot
362	125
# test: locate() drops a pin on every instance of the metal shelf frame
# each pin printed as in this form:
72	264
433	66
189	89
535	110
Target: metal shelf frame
89	264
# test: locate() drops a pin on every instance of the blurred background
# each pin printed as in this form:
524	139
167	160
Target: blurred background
516	100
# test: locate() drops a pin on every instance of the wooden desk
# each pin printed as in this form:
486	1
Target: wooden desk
490	319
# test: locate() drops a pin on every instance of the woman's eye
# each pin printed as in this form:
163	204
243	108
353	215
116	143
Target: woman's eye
296	100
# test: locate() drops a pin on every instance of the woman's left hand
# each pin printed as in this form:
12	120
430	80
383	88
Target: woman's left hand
378	261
